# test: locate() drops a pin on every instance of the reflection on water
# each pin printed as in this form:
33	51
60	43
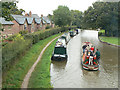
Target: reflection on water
58	65
69	74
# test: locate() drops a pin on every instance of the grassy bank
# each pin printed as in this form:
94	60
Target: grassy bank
40	78
16	74
112	40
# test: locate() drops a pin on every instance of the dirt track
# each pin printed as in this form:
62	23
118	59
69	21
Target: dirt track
28	75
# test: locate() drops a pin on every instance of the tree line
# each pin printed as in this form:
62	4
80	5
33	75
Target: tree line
103	15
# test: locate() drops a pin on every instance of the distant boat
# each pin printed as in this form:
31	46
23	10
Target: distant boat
86	57
73	33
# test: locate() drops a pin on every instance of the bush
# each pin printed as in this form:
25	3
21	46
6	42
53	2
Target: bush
11	37
13	51
48	27
23	32
4	43
101	33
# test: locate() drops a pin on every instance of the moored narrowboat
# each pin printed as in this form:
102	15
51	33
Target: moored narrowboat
60	52
66	36
89	60
72	33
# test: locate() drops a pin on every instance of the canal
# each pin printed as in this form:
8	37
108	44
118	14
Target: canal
69	74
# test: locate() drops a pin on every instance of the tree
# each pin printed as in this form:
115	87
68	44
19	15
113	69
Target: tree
102	15
77	17
10	8
62	16
50	16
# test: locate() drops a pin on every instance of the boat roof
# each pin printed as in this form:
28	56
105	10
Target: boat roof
87	43
60	43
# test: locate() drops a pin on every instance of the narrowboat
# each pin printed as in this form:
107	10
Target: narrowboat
66	36
89	60
77	31
60	52
72	33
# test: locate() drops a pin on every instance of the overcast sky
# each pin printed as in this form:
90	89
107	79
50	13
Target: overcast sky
46	7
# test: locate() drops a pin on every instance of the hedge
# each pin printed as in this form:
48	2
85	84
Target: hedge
101	33
11	52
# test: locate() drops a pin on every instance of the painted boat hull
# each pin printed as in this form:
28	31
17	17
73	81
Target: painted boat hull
85	61
90	67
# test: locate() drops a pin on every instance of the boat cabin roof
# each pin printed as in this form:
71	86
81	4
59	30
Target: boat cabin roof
87	43
60	43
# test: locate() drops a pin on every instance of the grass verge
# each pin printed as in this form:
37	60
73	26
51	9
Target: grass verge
16	74
112	40
40	78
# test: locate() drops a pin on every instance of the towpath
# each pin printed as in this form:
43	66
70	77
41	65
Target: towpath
28	75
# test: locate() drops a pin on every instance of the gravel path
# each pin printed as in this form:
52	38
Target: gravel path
28	75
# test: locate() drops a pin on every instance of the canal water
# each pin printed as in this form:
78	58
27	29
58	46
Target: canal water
69	74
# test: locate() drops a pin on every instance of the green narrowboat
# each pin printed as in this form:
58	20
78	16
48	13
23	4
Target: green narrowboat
60	52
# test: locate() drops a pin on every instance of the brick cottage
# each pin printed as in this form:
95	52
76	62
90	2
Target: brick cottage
29	22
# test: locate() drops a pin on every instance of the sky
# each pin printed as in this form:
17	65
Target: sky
46	7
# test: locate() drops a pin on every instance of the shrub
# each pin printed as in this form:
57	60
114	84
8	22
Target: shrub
23	32
48	27
4	43
101	33
13	51
11	37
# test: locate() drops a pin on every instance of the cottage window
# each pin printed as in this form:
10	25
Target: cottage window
25	26
9	27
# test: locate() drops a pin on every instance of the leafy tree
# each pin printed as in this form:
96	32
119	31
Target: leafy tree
10	8
76	18
50	16
62	16
102	15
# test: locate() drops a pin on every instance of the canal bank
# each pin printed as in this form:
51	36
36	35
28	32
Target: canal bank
16	74
113	41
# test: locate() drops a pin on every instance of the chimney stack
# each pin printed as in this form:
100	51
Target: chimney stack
30	14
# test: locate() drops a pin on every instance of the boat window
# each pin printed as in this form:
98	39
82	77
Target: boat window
60	50
63	37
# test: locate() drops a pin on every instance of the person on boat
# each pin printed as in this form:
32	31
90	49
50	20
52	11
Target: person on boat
84	47
88	47
92	48
91	58
97	55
